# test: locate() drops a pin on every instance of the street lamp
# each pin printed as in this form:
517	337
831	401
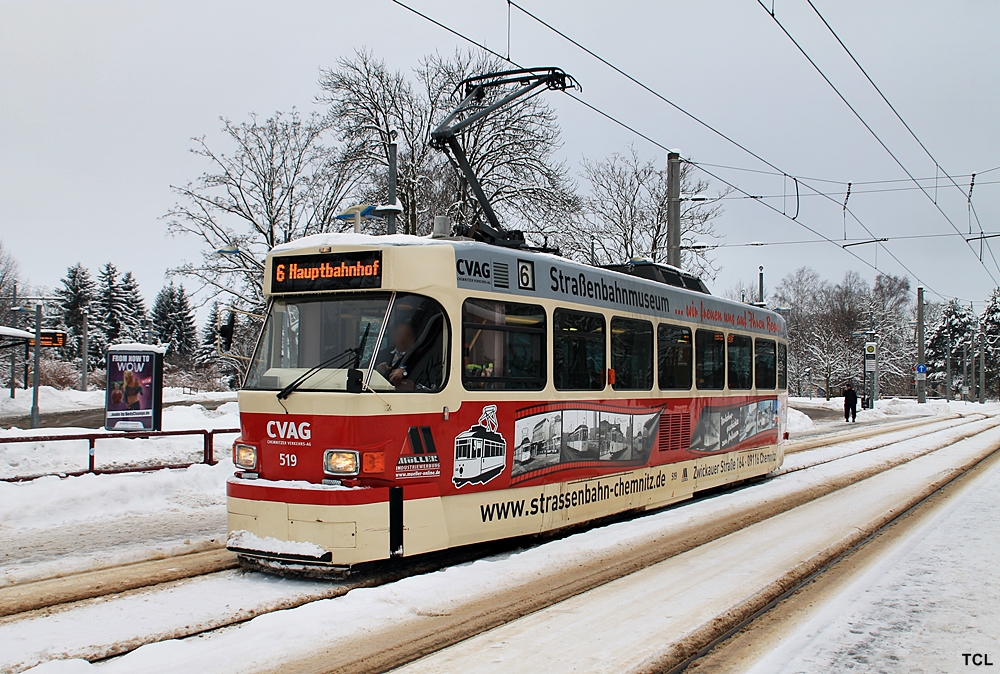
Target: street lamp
38	346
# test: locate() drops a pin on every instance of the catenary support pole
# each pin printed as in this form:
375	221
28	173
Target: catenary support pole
674	209
965	372
982	368
921	381
38	359
947	366
760	285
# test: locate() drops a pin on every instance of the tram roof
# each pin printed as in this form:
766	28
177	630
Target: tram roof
574	280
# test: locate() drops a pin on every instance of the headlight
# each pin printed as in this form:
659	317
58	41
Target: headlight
245	456
340	462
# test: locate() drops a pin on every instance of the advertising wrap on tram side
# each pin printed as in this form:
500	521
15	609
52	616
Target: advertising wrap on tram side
501	445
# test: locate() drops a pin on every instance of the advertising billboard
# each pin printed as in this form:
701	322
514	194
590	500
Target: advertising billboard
134	393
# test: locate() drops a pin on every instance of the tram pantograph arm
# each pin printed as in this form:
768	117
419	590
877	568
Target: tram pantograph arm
470	111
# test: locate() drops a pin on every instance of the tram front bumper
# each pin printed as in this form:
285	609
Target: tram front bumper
317	534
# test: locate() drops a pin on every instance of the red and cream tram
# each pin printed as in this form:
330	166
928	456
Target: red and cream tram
414	394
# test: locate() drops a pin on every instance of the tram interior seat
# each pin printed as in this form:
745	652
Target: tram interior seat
425	360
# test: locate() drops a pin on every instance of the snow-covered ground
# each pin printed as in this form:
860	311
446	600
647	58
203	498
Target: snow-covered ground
68	400
35	458
884	409
932	597
268	640
53	525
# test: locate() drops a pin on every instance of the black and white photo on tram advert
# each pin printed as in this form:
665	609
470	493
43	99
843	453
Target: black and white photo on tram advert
480	452
723	428
554	436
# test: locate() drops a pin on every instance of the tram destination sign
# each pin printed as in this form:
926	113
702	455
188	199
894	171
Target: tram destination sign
330	271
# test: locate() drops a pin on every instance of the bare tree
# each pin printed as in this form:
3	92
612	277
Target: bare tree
511	151
10	275
801	292
280	182
625	215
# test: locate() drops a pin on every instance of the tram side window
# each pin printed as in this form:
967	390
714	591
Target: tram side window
782	366
503	345
674	344
764	365
632	354
740	358
578	347
710	360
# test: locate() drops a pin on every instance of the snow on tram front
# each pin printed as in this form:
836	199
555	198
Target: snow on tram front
410	394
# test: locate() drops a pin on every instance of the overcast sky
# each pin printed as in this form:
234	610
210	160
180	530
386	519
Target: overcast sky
99	101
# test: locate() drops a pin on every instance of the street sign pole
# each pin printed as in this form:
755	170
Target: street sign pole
38	359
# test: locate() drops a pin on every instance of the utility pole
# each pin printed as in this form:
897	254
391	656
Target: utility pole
674	209
982	368
84	354
921	378
965	372
972	366
760	284
947	365
38	353
390	218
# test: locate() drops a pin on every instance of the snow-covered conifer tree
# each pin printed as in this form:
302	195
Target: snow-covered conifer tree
957	323
135	321
75	298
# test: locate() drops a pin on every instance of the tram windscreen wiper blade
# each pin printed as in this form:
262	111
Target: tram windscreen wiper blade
287	391
355	352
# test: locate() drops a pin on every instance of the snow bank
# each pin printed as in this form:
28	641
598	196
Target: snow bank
33	458
798	422
52	501
70	400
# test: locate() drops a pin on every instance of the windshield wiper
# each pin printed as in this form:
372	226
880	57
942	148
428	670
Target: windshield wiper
356	352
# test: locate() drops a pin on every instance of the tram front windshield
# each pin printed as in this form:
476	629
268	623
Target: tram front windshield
302	333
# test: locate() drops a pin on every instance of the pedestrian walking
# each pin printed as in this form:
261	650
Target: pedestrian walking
850	404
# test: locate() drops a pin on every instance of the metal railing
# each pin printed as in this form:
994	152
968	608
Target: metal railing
208	450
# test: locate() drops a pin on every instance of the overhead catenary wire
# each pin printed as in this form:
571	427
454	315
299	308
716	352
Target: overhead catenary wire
714	130
871	130
646	137
854	191
937	165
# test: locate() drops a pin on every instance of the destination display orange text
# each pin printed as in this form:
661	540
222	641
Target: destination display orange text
332	271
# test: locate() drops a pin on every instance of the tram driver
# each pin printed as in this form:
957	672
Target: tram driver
392	362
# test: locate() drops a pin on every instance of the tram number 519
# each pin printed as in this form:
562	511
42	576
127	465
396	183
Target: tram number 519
287	459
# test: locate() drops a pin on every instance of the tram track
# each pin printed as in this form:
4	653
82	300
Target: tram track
729	582
431	634
595	572
78	586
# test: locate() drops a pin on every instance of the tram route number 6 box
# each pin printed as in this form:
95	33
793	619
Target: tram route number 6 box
134	394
